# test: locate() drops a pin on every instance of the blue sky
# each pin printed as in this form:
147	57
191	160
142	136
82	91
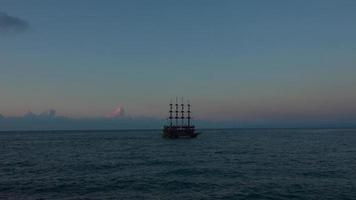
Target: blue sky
235	60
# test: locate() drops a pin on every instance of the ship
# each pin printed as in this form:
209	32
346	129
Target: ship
179	126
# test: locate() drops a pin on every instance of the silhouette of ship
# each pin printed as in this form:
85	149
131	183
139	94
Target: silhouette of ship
181	127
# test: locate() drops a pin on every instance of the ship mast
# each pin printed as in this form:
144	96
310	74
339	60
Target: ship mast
176	111
182	111
188	114
170	113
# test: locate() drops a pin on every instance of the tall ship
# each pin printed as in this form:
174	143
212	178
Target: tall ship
179	126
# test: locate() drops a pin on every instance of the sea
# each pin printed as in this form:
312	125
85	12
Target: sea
140	164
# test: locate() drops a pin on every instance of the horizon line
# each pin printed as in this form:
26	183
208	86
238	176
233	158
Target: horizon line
142	130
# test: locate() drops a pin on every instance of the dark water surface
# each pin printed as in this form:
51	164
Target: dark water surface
224	164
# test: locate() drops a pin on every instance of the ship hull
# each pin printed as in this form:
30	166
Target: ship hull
175	132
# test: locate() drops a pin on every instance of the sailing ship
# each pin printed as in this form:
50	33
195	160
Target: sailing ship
181	126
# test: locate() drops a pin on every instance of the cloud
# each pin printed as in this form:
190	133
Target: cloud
118	112
29	114
48	114
11	24
48	120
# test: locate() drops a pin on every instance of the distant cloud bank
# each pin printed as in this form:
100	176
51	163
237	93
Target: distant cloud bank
11	24
48	120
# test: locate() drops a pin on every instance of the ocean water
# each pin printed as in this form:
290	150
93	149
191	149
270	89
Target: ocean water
219	164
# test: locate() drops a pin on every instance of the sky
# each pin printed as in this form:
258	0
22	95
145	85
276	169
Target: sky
254	61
